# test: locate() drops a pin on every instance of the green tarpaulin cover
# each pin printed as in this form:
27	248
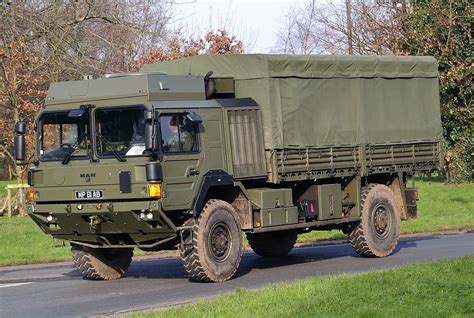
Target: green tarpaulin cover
320	101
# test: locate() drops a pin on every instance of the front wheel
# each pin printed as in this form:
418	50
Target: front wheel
101	263
211	250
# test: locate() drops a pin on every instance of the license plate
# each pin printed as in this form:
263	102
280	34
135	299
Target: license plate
89	194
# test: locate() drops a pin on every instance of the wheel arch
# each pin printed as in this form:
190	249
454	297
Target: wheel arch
218	184
396	182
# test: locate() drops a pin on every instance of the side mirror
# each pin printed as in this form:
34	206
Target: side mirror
193	117
20	127
152	139
76	113
20	131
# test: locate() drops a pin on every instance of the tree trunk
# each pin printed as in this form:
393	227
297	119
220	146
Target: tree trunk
350	49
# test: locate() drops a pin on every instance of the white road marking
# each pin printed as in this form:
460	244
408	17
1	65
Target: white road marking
14	284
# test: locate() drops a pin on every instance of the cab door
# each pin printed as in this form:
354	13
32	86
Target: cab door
182	159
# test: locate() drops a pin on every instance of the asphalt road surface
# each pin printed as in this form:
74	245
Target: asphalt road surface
59	290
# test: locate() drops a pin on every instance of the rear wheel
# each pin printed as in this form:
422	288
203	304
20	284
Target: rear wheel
101	263
211	250
377	233
272	244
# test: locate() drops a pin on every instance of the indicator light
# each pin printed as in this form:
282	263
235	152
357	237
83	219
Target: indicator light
49	218
79	207
30	196
154	190
142	216
149	216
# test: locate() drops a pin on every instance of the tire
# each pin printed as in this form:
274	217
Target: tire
377	233
212	250
272	244
101	263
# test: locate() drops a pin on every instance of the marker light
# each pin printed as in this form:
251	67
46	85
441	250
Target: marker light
154	190
30	196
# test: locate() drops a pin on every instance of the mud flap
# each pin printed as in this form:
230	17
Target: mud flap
411	196
186	237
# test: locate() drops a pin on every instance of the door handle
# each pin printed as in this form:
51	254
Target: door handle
193	172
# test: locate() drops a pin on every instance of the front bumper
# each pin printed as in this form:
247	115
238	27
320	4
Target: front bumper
105	224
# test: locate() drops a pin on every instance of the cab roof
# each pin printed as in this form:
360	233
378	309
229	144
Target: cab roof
149	86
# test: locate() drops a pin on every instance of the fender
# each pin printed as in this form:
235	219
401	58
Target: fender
212	178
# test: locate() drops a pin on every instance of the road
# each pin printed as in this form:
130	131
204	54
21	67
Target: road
59	290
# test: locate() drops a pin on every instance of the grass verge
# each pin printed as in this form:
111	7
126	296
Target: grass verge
437	289
441	207
22	242
3	184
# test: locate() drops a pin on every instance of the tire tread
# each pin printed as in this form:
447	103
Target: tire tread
92	268
359	235
189	249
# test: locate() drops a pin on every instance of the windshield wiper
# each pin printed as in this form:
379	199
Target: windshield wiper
74	147
117	155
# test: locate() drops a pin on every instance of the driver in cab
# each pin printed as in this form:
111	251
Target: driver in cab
176	135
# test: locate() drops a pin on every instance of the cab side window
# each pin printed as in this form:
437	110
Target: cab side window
178	134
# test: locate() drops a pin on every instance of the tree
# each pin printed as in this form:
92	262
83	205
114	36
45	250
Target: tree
213	43
85	37
334	27
442	28
22	92
301	33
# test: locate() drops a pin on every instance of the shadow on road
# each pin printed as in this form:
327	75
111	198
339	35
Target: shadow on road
172	268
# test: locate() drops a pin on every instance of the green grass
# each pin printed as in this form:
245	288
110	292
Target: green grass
3	184
22	242
441	207
437	289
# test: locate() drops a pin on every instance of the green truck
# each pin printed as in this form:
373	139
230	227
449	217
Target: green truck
192	153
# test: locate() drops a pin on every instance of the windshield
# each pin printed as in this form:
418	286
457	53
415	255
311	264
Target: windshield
60	135
120	132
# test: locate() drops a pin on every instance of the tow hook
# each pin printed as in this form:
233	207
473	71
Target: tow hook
95	220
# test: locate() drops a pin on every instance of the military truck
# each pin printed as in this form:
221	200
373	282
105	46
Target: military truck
192	153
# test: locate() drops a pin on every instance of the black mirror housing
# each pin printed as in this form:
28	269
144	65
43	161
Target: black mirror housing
20	147
20	127
193	117
152	138
152	141
19	140
76	113
154	172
